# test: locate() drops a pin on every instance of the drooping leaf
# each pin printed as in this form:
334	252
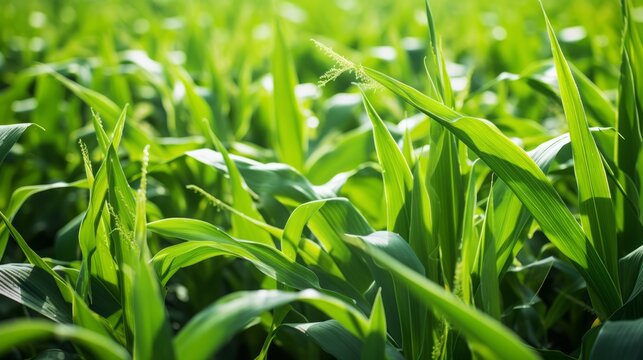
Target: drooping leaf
35	289
218	323
18	332
488	337
9	134
267	259
526	180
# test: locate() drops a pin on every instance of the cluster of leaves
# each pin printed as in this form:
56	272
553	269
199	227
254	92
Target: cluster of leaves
235	214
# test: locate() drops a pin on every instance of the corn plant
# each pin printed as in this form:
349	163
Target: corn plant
207	205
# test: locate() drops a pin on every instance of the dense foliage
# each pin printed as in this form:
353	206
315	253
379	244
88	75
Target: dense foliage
197	179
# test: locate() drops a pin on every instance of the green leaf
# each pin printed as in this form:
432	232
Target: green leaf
267	259
173	258
241	200
398	180
218	323
21	195
631	271
489	285
490	338
506	229
82	314
152	333
375	342
527	181
628	125
619	340
403	310
446	189
339	153
328	220
277	185
9	134
291	141
337	341
19	332
35	289
596	208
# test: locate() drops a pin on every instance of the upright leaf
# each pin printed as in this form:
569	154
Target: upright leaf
526	180
596	208
152	333
291	142
241	200
489	338
398	180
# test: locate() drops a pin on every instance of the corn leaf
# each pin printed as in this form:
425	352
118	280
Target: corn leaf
19	332
35	289
527	181
267	260
398	180
9	134
218	323
291	141
489	337
596	208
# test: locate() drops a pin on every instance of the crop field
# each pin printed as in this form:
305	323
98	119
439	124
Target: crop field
318	179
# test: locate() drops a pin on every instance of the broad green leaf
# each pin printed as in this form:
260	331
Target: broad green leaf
81	313
446	190
35	289
336	340
93	235
398	180
487	336
218	323
527	181
267	260
490	296
628	125
277	185
507	228
408	312
596	208
328	220
332	338
9	134
152	333
20	332
121	208
375	342
421	236
619	340
173	258
199	107
470	239
339	153
290	137
631	271
136	138
21	195
241	200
